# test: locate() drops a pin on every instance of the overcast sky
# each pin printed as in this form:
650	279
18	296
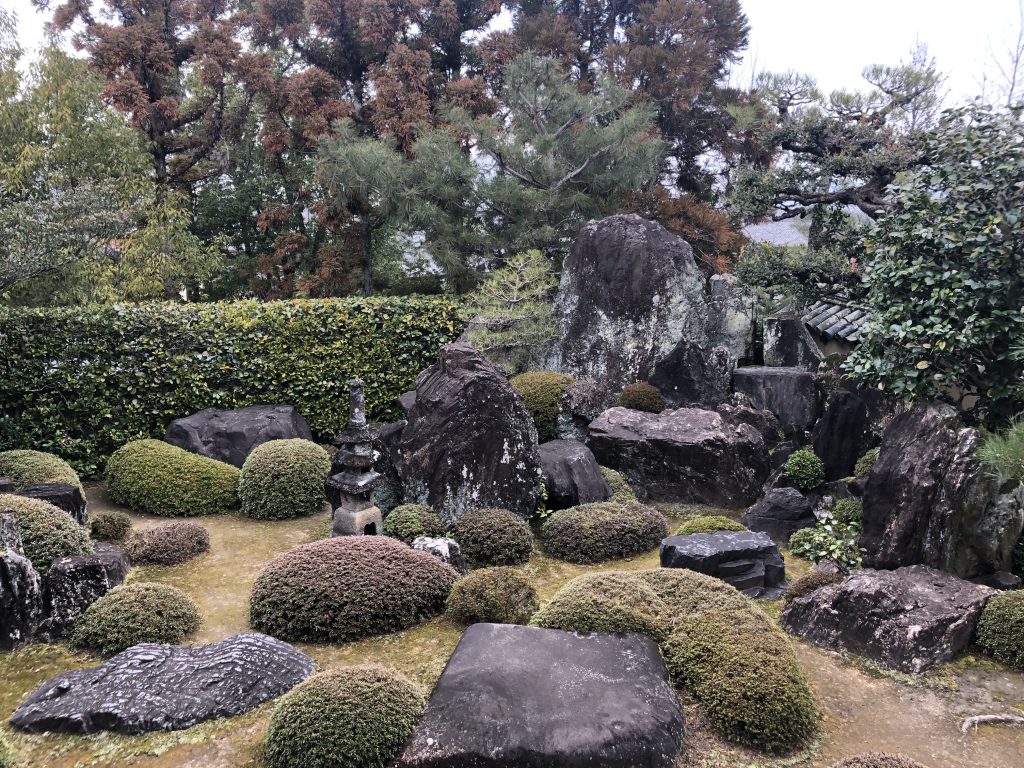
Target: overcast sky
829	39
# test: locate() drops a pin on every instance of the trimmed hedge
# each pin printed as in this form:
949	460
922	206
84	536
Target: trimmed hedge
498	595
877	760
354	717
542	392
162	479
409	521
136	613
348	587
282	479
642	397
622	491
29	467
109	526
47	532
709	524
493	537
1000	630
81	381
805	469
593	533
172	544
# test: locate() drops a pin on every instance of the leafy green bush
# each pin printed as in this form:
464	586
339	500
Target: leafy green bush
348	587
493	537
642	397
805	469
353	717
167	544
865	462
282	479
622	492
136	613
500	595
542	392
829	538
1004	453
409	521
109	526
1001	629
796	273
126	371
593	533
847	511
31	467
810	582
162	479
47	532
709	524
877	760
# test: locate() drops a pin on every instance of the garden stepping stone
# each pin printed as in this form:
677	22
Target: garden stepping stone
747	560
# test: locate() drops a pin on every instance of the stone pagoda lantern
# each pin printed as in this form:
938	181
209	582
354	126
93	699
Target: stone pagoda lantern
350	486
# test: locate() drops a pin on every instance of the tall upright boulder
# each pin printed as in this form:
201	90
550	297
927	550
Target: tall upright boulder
21	589
469	443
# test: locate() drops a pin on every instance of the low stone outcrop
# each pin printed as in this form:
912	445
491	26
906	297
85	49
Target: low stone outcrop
75	583
747	560
789	393
231	435
571	474
694	375
62	495
780	513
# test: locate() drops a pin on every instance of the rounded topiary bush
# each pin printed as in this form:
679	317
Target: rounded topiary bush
642	397
354	717
30	467
593	533
847	511
162	479
810	582
622	491
167	544
410	521
500	595
866	462
281	479
136	613
348	587
493	537
1000	630
47	532
805	469
542	393
709	524
877	760
109	526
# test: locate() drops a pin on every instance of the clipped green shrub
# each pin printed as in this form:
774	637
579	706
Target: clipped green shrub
109	526
348	587
877	760
642	397
847	511
500	595
1000	630
593	533
30	467
162	479
829	538
542	393
810	582
47	532
410	521
709	524
622	491
130	614
865	462
353	717
493	537
805	469
167	544
281	479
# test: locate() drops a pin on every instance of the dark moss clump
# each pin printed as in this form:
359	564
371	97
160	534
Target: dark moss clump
709	524
810	582
501	595
642	397
47	532
1001	629
805	469
136	613
167	544
877	760
355	717
410	521
493	537
622	491
866	462
282	479
30	467
109	526
542	393
593	533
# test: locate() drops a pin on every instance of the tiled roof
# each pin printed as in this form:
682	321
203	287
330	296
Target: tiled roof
835	319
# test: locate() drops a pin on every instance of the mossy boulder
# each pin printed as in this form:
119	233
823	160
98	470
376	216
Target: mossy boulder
542	393
622	491
410	521
499	595
642	396
162	479
493	537
109	526
136	613
1000	630
593	533
877	760
30	467
47	532
282	479
167	544
709	524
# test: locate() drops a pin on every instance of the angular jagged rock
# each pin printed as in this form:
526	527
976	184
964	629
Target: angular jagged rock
581	403
407	400
788	343
526	697
470	442
780	513
843	433
75	583
909	619
388	493
571	474
694	375
444	549
789	393
747	560
231	435
733	316
153	687
763	421
10	533
21	599
62	495
685	454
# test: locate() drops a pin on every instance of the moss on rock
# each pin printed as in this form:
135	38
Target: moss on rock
501	595
622	491
282	479
810	582
542	392
409	521
642	397
47	531
493	537
593	533
136	613
709	524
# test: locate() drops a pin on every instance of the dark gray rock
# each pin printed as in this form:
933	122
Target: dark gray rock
748	560
231	435
388	493
407	400
789	393
788	343
909	619
153	687
780	513
1001	580
763	421
444	549
8	485
61	495
781	453
10	533
75	583
830	567
694	375
571	474
685	454
733	316
526	697
470	442
581	403
843	433
21	599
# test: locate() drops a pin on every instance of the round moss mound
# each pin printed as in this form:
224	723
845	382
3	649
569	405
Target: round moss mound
810	582
877	760
642	397
709	524
500	595
410	521
805	469
542	393
593	533
1000	630
136	613
47	532
348	587
167	544
109	526
282	479
493	537
31	467
622	491
355	717
162	479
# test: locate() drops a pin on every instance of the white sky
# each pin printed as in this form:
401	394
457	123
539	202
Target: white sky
829	39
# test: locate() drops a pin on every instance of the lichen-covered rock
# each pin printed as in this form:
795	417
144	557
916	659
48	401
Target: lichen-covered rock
571	474
75	583
444	549
780	513
694	375
470	442
788	343
733	316
230	435
789	393
581	403
21	599
10	533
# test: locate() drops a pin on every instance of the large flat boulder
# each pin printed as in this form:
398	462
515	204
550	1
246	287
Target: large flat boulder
571	474
781	513
684	454
747	560
153	687
62	495
526	697
21	599
75	583
909	619
231	435
789	393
